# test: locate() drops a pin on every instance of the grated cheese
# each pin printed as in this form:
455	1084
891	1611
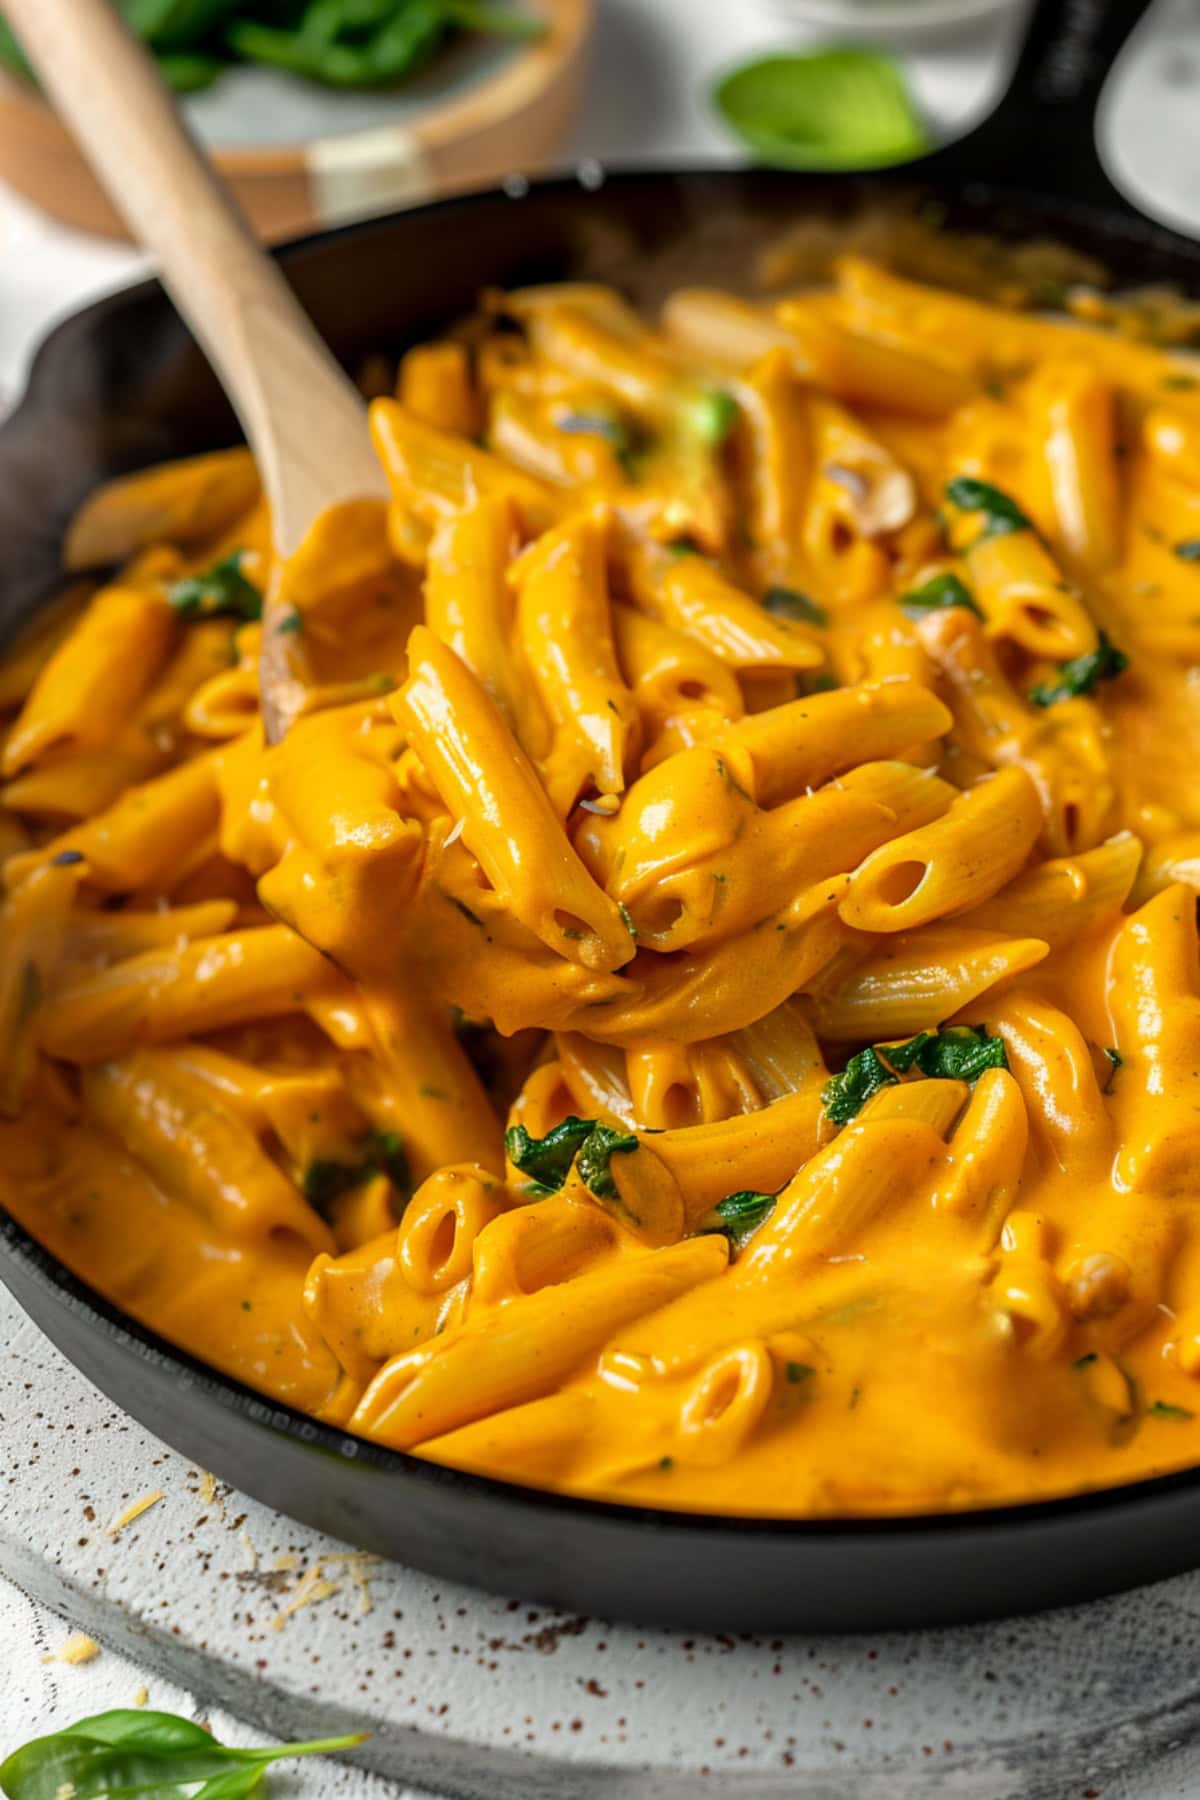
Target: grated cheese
135	1512
79	1648
312	1590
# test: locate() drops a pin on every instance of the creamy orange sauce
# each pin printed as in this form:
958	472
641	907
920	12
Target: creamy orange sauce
767	736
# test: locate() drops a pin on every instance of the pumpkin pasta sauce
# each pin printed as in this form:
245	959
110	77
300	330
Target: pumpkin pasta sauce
695	659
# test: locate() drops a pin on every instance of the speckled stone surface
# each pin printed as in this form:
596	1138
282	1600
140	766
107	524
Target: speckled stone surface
489	1699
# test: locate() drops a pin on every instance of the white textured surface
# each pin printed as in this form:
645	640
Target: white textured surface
467	1695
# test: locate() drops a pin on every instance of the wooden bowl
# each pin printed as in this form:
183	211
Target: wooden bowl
300	157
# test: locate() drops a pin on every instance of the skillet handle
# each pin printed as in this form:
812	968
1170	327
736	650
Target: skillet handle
1042	137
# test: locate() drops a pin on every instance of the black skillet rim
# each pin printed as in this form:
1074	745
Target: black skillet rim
61	1284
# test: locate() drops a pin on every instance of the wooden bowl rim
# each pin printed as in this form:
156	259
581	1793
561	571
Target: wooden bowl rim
512	89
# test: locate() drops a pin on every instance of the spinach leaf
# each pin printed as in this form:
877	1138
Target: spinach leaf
383	1154
548	1160
823	109
790	603
153	1755
939	592
954	1053
602	1143
221	588
1081	674
1001	514
738	1216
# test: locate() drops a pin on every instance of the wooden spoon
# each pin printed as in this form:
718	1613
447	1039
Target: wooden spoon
304	421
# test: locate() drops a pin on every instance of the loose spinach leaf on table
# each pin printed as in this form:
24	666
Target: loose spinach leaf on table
156	1756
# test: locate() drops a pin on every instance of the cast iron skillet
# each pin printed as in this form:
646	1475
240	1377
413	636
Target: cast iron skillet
121	385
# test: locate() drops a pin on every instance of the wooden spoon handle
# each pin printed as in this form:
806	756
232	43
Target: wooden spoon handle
302	417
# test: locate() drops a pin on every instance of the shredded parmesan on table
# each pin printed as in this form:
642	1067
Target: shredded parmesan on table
141	1696
312	1590
135	1512
79	1648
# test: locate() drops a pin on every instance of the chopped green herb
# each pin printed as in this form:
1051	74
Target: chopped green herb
548	1160
1116	1061
221	588
466	912
1180	382
799	1371
955	1053
432	1093
1188	550
1162	1409
939	592
713	415
681	547
666	1462
824	683
148	1753
1081	674
595	1159
326	1180
292	624
1001	513
790	603
627	919
738	1216
1085	1361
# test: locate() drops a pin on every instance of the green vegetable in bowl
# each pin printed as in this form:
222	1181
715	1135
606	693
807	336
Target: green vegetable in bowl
340	43
830	109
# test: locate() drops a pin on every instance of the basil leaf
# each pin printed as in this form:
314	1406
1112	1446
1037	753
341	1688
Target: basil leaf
938	593
738	1216
712	416
955	1053
1081	674
548	1160
327	1180
1000	512
790	603
221	588
156	1756
602	1143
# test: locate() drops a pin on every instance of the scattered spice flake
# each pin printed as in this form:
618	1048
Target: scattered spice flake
78	1649
134	1512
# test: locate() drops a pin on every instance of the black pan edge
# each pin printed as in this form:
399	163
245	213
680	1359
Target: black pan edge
677	1568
